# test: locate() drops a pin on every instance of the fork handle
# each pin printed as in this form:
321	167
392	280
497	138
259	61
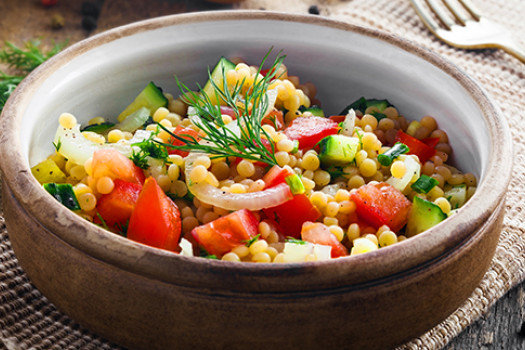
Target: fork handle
515	50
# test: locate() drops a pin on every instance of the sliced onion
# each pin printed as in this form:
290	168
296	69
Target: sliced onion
209	194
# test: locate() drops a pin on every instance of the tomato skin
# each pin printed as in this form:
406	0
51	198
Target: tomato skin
337	118
275	176
310	130
291	215
318	233
275	118
155	220
225	233
381	204
423	151
116	207
110	162
185	133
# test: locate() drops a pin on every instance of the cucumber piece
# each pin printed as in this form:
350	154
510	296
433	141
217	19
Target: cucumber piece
457	195
217	77
315	110
423	215
362	104
64	194
151	98
48	171
295	183
337	150
135	120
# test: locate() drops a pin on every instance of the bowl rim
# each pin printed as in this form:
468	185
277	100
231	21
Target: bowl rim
185	271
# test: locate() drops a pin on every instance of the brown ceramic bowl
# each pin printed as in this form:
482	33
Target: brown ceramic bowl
145	298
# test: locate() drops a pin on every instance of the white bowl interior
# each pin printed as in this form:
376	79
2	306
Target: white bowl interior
344	65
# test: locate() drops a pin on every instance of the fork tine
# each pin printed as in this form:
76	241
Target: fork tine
425	15
471	8
454	9
440	14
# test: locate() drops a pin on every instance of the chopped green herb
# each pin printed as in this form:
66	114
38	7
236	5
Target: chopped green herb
388	157
251	241
221	141
148	148
58	145
98	128
294	240
424	184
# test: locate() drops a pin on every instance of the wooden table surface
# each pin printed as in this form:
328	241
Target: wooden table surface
21	20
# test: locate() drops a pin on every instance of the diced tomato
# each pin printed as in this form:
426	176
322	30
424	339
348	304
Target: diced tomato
318	233
110	162
275	119
291	215
337	118
155	220
185	133
116	207
431	141
381	204
227	110
417	147
225	233
276	175
310	130
267	144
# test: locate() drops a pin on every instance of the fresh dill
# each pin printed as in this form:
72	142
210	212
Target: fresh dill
252	240
221	140
148	148
22	60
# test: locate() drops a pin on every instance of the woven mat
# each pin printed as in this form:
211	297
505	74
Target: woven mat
29	321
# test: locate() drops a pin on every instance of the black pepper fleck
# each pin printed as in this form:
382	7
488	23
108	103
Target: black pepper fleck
313	10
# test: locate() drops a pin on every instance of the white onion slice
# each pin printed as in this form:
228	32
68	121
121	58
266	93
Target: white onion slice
209	194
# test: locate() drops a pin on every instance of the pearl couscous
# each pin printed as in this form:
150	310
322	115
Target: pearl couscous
250	169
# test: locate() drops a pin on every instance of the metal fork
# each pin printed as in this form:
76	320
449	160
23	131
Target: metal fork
469	30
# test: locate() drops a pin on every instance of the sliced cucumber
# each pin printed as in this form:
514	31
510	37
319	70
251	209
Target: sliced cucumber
362	104
151	98
423	215
217	77
135	120
337	150
295	183
63	193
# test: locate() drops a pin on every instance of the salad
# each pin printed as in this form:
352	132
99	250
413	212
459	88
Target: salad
249	168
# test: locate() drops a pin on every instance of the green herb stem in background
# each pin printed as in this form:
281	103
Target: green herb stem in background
22	61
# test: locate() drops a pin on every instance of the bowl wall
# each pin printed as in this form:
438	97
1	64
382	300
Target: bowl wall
401	290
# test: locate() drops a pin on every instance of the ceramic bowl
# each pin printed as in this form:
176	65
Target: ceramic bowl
145	298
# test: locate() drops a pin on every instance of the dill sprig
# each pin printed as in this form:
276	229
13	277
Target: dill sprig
249	107
22	61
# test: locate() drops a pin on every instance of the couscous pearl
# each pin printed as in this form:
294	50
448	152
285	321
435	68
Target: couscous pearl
105	185
387	238
398	169
245	168
87	201
310	161
198	174
231	257
67	120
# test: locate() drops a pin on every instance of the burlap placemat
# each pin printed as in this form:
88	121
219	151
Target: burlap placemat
29	321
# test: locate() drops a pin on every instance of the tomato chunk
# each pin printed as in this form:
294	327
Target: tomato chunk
381	204
318	233
110	162
276	175
155	220
310	130
274	118
185	133
419	148
116	207
291	215
225	233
